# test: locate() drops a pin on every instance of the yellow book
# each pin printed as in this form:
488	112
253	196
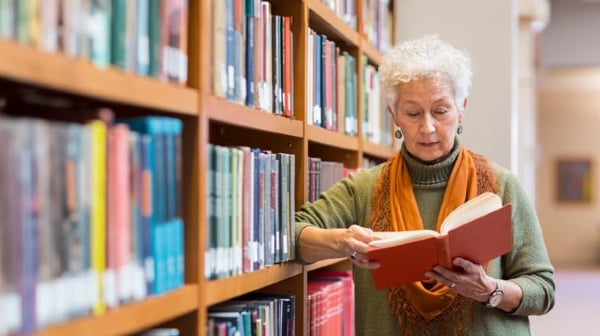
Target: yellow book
98	211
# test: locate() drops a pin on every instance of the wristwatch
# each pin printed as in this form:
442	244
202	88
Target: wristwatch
496	296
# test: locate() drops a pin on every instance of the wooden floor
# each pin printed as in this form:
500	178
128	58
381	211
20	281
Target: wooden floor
577	309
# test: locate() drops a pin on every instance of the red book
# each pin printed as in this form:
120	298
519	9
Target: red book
479	230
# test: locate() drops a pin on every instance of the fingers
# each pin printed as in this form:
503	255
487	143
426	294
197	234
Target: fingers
361	260
356	245
466	265
470	281
356	240
361	233
444	276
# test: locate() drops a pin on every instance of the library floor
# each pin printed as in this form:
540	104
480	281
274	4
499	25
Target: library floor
577	305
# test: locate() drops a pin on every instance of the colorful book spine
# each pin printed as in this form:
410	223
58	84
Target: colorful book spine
98	131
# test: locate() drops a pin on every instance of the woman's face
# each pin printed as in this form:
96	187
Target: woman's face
428	117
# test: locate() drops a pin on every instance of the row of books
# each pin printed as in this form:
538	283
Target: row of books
345	9
377	122
330	303
322	175
332	85
377	23
146	37
376	19
255	314
90	217
252	56
250	209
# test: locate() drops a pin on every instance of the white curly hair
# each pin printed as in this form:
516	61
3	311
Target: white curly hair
425	57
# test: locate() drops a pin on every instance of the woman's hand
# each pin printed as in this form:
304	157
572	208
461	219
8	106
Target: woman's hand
470	280
316	244
355	243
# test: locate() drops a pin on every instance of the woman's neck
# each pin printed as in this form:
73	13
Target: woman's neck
431	173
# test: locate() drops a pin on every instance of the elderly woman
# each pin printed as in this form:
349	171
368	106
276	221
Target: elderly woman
426	83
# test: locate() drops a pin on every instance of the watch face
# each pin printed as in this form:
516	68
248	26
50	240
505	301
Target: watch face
495	299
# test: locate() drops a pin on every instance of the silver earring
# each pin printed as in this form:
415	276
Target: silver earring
459	130
398	134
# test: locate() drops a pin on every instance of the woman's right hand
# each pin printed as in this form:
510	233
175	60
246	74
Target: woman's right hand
356	242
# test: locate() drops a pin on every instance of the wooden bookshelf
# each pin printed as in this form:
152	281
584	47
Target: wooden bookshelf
220	110
208	119
335	139
376	150
324	263
133	317
81	77
326	21
371	52
224	289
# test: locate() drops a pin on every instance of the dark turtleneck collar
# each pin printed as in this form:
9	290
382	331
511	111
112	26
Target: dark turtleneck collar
431	175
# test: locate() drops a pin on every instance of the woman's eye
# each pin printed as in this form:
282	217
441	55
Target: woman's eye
441	111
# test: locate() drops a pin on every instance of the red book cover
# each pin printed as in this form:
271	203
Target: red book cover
479	239
118	214
346	299
247	210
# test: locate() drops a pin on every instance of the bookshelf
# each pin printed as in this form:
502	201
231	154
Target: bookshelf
55	71
208	119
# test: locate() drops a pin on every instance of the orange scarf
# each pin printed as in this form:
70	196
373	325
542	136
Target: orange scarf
471	175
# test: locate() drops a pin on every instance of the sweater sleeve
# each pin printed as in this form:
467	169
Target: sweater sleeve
528	264
347	202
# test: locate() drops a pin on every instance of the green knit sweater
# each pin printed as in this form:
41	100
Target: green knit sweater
349	202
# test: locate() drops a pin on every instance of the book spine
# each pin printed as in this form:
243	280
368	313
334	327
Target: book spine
443	251
154	22
98	210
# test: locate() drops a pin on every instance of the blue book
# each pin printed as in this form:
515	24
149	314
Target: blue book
322	80
318	110
256	237
142	38
250	100
179	250
27	223
156	160
230	52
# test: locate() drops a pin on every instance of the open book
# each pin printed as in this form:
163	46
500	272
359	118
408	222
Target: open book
478	230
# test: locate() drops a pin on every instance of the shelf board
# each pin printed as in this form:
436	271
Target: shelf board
225	289
221	110
323	264
131	318
331	138
80	77
324	20
372	53
376	150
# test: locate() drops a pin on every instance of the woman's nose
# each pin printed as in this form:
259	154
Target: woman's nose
428	123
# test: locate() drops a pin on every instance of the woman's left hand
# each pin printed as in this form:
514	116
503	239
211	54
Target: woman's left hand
467	279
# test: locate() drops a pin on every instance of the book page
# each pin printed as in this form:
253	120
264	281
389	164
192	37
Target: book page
473	208
390	238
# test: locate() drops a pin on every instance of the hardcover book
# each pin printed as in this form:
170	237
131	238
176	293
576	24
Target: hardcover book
479	230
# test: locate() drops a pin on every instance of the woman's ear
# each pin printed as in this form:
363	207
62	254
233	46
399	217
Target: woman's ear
390	111
464	105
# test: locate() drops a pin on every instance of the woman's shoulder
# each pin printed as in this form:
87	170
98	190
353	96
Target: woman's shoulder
509	185
503	174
